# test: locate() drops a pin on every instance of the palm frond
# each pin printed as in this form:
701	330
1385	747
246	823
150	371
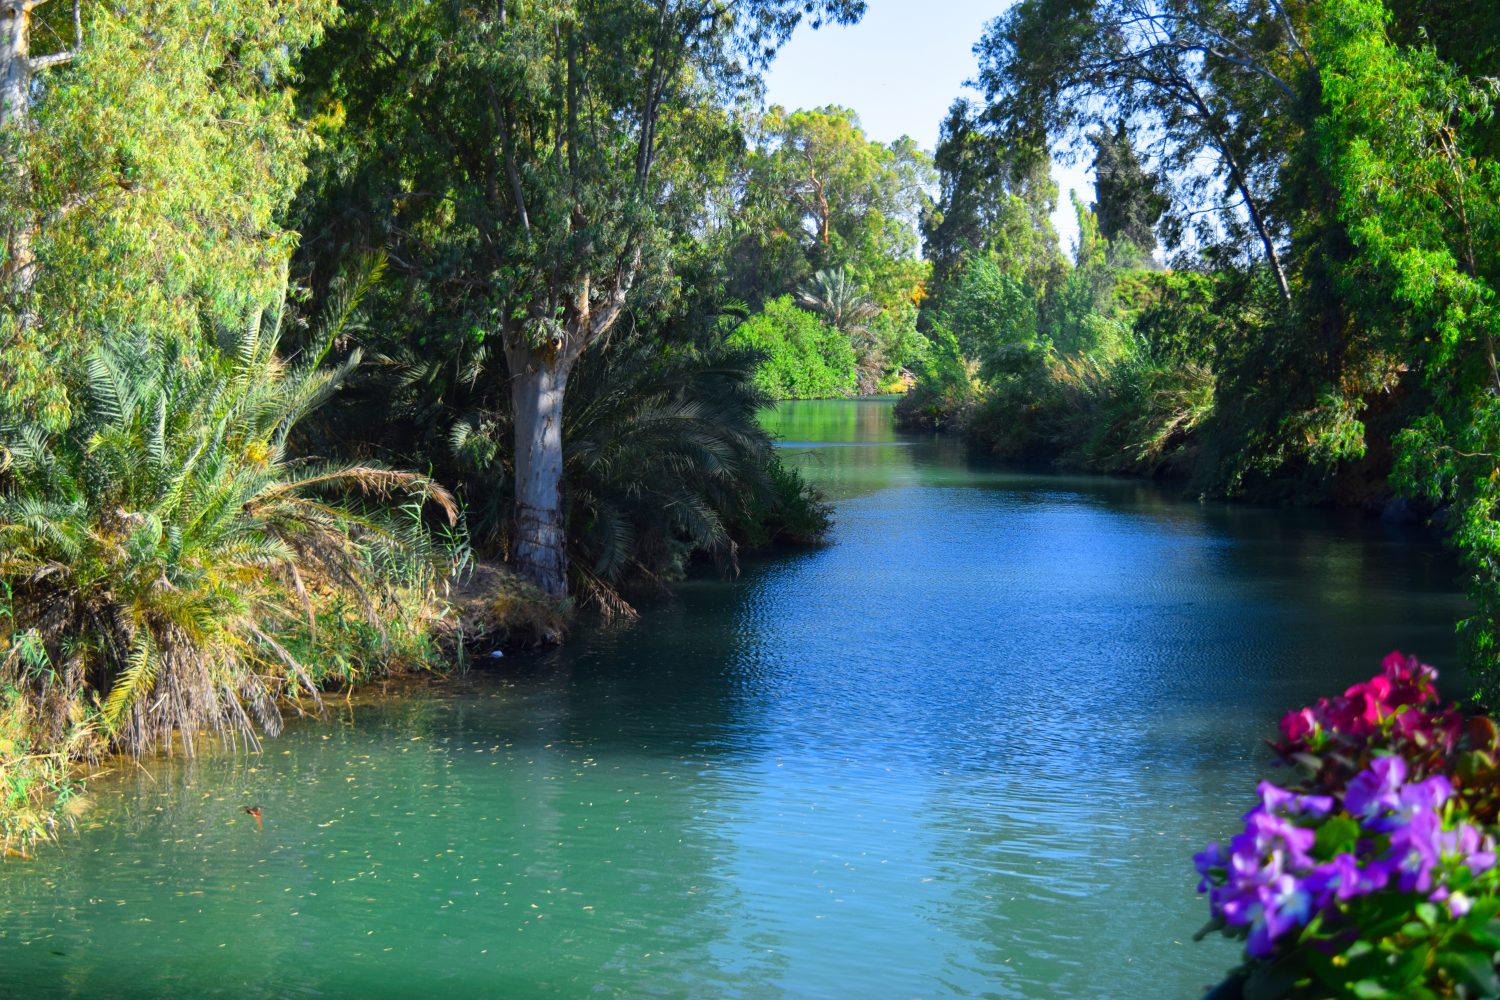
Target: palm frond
134	682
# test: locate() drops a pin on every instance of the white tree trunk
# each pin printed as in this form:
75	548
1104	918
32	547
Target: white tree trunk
537	385
15	61
15	102
538	382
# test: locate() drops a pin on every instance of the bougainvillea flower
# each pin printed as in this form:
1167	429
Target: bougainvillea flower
1298	726
1376	790
1343	879
1379	762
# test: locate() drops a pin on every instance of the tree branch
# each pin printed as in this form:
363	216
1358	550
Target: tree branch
51	59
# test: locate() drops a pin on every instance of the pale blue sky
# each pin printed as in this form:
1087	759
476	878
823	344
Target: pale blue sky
899	69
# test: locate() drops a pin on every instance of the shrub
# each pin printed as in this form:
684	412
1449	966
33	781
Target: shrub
791	510
947	386
36	774
993	316
802	357
158	551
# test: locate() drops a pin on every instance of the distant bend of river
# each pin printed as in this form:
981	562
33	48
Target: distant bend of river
967	750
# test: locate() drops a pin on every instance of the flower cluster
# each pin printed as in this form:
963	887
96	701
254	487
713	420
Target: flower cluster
1397	709
1391	833
1378	870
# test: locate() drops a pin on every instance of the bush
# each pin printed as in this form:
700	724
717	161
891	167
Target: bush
792	510
1374	875
993	316
157	552
36	773
802	357
946	389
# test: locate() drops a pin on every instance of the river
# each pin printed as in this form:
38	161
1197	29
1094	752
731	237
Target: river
966	750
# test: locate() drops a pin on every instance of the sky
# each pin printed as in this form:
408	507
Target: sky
900	68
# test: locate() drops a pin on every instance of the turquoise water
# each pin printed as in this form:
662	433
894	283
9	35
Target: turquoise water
967	750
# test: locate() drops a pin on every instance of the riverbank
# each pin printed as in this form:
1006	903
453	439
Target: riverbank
45	763
483	613
1108	431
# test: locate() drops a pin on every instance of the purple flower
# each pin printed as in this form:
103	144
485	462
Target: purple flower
1274	838
1376	790
1288	905
1209	862
1239	905
1426	796
1343	879
1278	800
1395	834
1468	847
1415	852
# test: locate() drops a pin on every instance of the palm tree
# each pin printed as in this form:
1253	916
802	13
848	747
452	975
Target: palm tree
665	459
847	307
156	548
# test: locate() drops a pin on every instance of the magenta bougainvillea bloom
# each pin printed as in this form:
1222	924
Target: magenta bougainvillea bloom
1380	814
1399	702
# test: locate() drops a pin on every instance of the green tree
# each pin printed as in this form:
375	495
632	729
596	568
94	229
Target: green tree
1221	85
993	314
993	196
803	357
847	201
1399	135
525	158
1076	310
1127	199
148	174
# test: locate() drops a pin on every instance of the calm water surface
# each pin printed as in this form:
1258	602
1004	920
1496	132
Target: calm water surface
965	751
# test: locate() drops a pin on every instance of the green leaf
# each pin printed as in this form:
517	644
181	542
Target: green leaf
1336	836
1486	934
1474	969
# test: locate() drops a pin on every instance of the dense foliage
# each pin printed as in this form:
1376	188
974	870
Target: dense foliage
148	178
804	358
542	174
665	461
201	514
156	549
1285	288
603	259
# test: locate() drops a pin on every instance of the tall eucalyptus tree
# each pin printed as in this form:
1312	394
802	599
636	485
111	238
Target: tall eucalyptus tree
520	159
1219	90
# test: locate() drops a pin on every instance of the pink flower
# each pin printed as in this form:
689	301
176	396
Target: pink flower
1298	726
1396	662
